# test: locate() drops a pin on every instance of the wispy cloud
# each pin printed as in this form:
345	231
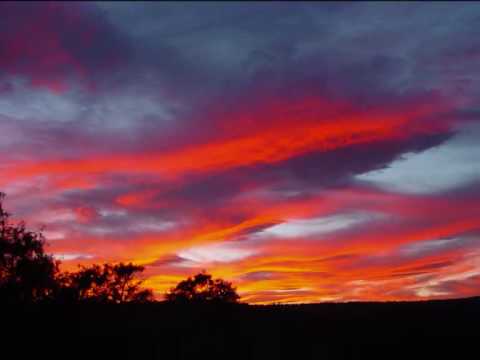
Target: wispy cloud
307	152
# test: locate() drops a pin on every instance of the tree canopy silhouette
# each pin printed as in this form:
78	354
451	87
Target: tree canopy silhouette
202	288
107	283
28	274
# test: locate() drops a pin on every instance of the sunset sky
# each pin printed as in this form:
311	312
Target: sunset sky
306	152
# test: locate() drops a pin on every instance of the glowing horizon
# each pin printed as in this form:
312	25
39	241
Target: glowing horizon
302	157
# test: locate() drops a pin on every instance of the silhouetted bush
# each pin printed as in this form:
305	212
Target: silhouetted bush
28	275
201	289
105	283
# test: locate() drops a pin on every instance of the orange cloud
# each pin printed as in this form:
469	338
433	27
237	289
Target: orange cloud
303	266
365	264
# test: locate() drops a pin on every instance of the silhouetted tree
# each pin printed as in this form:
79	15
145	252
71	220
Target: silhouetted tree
105	283
27	274
202	288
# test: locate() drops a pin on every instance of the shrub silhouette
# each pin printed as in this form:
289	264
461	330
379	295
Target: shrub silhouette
107	283
202	288
27	274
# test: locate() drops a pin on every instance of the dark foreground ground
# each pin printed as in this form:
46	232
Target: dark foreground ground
416	330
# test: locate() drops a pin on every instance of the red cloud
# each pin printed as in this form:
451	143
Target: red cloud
283	133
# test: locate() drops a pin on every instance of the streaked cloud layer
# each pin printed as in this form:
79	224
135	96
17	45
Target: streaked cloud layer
305	151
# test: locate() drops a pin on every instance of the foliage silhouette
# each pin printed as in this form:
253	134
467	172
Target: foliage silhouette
201	289
27	274
107	283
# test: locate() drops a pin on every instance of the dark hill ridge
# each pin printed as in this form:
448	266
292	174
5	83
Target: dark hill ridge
357	330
